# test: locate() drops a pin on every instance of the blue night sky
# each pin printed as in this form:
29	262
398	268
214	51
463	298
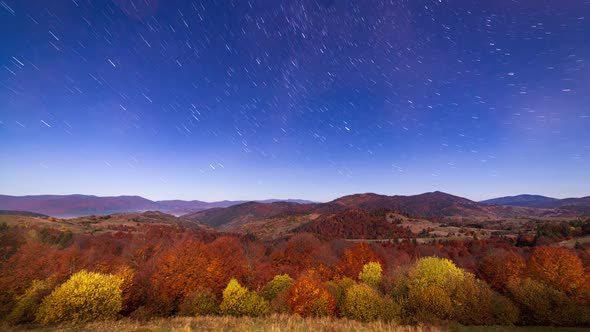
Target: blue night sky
308	99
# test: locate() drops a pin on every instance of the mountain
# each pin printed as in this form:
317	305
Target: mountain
247	212
71	206
434	205
543	202
22	213
425	205
68	206
524	200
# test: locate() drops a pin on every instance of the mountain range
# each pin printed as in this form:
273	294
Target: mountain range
430	205
71	206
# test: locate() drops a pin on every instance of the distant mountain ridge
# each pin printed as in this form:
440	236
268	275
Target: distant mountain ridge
538	201
432	205
427	205
71	206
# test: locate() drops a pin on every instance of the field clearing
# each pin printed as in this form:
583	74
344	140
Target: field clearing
571	243
272	323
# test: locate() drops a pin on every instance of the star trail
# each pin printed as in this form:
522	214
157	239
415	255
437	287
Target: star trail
305	99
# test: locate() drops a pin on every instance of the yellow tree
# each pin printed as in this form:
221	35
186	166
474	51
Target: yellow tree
239	301
372	274
86	296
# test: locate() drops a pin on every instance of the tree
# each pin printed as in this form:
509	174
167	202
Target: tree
308	297
428	303
557	267
225	260
372	274
475	303
28	303
542	304
86	296
338	288
363	303
200	302
354	258
239	301
433	271
299	254
179	271
279	284
500	267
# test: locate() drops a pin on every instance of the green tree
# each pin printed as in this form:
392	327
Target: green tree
86	296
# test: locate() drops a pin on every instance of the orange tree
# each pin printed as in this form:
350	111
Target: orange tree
557	267
309	297
354	258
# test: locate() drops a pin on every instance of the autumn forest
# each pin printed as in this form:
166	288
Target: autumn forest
52	275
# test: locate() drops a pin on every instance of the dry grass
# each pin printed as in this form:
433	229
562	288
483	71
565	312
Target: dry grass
273	323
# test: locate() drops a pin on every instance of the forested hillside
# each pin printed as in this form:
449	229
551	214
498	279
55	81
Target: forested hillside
160	270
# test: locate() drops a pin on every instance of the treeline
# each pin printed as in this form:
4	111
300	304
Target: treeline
49	276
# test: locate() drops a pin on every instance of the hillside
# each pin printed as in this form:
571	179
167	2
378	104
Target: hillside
71	206
247	212
125	222
355	224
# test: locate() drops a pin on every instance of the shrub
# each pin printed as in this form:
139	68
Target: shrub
308	297
372	274
86	296
28	303
239	301
200	302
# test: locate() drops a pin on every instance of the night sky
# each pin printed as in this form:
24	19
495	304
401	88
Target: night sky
308	99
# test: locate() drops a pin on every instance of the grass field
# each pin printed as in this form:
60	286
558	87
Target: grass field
229	323
272	324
